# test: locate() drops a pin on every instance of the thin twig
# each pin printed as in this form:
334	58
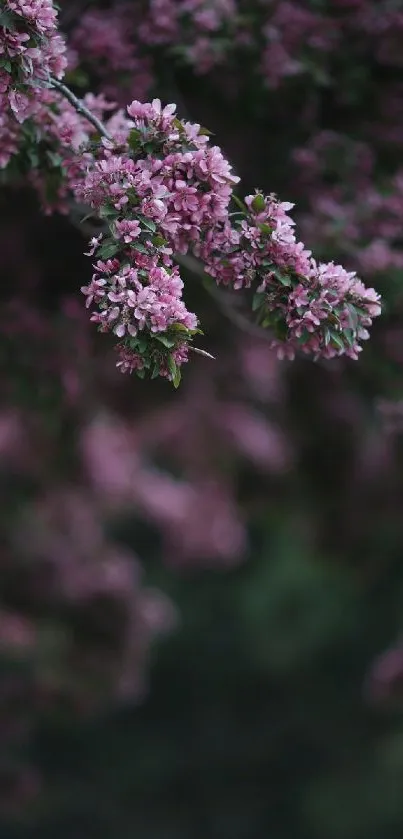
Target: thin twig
204	353
79	106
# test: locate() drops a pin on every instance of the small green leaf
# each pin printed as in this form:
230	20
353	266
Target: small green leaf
150	225
281	331
239	203
283	279
258	300
54	158
179	327
172	366
105	211
108	249
265	228
350	336
304	337
353	316
178	125
134	139
174	371
167	342
7	21
159	241
138	247
177	378
336	340
132	195
258	203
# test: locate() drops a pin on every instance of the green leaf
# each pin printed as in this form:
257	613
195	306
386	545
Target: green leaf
283	279
159	241
174	371
265	228
106	211
239	203
353	316
350	336
172	366
258	203
134	139
179	327
54	158
280	331
167	342
108	249
177	378
33	158
132	195
7	20
336	340
150	225
6	64
178	125
138	247
258	300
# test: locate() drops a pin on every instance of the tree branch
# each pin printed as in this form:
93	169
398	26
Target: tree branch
79	106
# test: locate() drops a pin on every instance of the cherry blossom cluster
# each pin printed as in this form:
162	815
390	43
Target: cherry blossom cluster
30	51
159	195
318	308
47	149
